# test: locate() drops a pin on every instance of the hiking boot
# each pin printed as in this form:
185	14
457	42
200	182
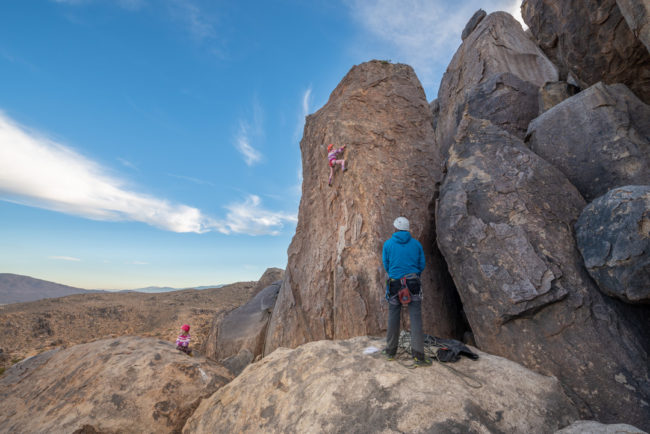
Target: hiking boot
424	361
388	355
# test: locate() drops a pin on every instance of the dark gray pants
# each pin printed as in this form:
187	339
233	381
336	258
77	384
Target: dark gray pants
392	335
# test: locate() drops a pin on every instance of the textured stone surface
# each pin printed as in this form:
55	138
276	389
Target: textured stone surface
498	45
129	384
637	16
334	282
590	39
333	387
593	427
553	93
472	23
599	138
613	235
505	219
244	327
506	101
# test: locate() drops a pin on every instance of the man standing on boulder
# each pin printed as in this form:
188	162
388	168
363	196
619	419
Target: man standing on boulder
403	259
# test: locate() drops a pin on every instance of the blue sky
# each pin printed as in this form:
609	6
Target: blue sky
156	142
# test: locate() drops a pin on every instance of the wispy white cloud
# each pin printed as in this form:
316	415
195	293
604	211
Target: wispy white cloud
193	18
127	163
139	263
37	171
249	217
243	145
191	179
249	131
422	33
306	102
64	258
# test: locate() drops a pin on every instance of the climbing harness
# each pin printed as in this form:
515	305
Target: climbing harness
404	294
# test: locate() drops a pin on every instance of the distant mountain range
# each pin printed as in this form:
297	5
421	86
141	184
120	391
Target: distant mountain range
15	288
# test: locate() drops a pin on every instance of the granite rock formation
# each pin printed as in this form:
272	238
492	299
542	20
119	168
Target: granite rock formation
613	235
334	282
244	327
497	47
129	384
591	40
553	93
505	219
599	139
332	386
637	16
472	23
593	427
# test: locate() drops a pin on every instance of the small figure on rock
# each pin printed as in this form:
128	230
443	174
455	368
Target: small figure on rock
183	340
333	159
404	262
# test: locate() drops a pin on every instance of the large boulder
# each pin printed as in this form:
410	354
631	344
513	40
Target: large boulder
637	16
129	384
505	219
499	54
599	139
332	386
244	327
593	427
334	282
553	93
591	40
613	235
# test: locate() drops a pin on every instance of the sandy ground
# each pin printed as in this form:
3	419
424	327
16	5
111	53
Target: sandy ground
30	328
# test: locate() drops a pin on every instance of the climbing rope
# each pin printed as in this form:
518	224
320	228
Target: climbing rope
404	358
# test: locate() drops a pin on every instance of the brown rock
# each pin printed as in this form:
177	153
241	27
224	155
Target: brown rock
270	276
332	386
553	93
591	40
505	217
130	384
334	282
244	327
599	139
498	45
637	16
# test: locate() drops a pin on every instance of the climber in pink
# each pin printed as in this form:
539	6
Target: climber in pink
332	158
183	340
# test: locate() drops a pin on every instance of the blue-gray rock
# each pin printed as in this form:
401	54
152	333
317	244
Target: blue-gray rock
613	235
599	139
505	222
472	23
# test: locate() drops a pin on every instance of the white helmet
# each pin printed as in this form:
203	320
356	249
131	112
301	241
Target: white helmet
401	224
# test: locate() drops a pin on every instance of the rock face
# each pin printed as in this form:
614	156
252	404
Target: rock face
472	23
244	327
498	47
637	16
613	235
334	282
505	217
332	386
553	93
593	427
130	384
599	138
591	40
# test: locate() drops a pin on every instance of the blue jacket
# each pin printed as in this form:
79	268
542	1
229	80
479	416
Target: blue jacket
402	254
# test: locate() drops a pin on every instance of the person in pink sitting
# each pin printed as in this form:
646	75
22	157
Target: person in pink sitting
333	159
183	340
